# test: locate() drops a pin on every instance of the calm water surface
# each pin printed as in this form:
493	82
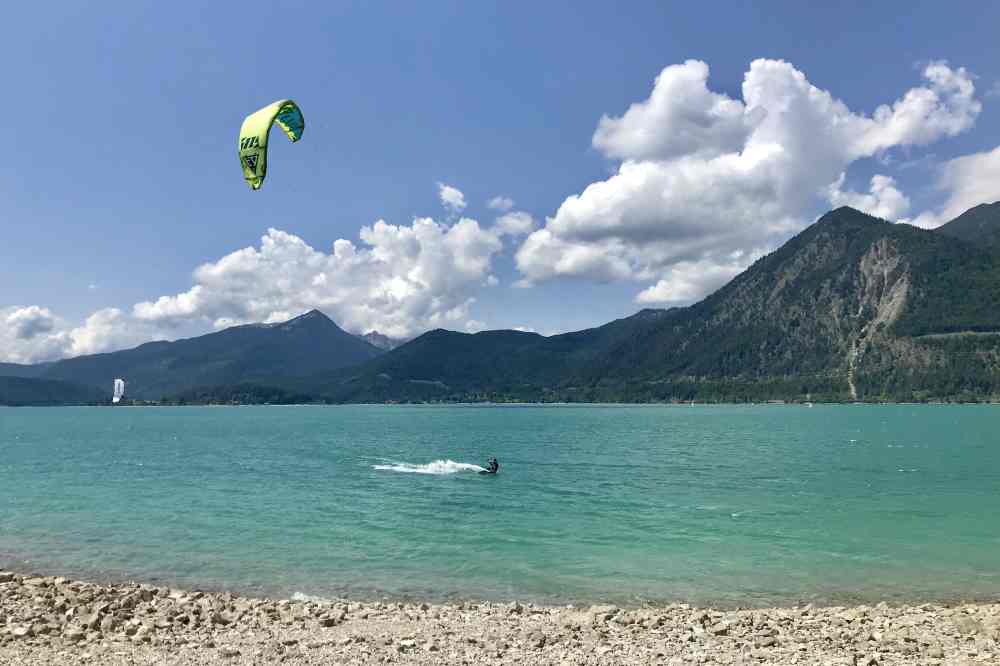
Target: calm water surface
729	504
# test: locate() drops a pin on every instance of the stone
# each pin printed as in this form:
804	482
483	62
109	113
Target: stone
6	576
220	619
22	632
74	634
935	652
603	612
228	652
406	645
967	625
719	629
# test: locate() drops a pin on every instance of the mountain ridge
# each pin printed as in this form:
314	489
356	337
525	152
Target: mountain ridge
980	224
851	308
847	309
302	345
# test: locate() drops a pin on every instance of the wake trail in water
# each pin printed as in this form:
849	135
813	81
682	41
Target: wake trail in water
436	467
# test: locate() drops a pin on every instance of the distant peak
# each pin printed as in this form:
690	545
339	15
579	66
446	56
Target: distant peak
313	317
846	214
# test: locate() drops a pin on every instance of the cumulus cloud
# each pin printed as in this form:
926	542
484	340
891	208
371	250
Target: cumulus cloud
882	200
109	329
968	181
401	280
34	334
500	203
29	334
516	223
681	117
451	198
30	322
704	177
687	281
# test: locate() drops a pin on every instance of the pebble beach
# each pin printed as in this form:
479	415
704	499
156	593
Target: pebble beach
55	620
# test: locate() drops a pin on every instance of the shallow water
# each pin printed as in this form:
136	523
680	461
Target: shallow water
712	504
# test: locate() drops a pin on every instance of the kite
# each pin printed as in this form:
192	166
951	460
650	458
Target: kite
255	130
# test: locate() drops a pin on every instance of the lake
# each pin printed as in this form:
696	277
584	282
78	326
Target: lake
733	505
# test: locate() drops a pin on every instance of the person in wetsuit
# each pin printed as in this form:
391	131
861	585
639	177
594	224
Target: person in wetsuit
492	466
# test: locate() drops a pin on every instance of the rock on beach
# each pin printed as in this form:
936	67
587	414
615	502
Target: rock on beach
54	620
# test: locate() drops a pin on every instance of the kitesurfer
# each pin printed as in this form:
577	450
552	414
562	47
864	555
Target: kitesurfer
492	466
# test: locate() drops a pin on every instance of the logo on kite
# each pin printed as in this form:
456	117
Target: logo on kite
255	131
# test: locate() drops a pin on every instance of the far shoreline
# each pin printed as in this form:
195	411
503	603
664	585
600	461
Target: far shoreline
695	403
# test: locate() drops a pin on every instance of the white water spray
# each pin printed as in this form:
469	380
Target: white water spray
436	467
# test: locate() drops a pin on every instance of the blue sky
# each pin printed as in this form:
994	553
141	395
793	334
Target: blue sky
121	178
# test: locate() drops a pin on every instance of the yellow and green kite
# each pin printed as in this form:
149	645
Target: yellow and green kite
255	130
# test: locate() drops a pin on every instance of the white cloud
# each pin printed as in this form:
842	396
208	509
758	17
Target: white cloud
516	223
704	176
400	281
969	180
29	334
688	281
681	117
500	203
34	334
451	198
109	329
30	322
883	199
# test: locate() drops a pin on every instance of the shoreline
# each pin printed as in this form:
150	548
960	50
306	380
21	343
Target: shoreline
694	403
57	620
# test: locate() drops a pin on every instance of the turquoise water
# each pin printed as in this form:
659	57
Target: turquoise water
740	505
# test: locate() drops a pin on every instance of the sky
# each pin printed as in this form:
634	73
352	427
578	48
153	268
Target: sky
543	166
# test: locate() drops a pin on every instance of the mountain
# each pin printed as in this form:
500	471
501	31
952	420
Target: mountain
304	345
19	370
853	307
26	391
980	225
383	342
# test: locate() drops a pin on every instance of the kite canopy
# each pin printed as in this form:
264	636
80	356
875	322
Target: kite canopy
255	130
